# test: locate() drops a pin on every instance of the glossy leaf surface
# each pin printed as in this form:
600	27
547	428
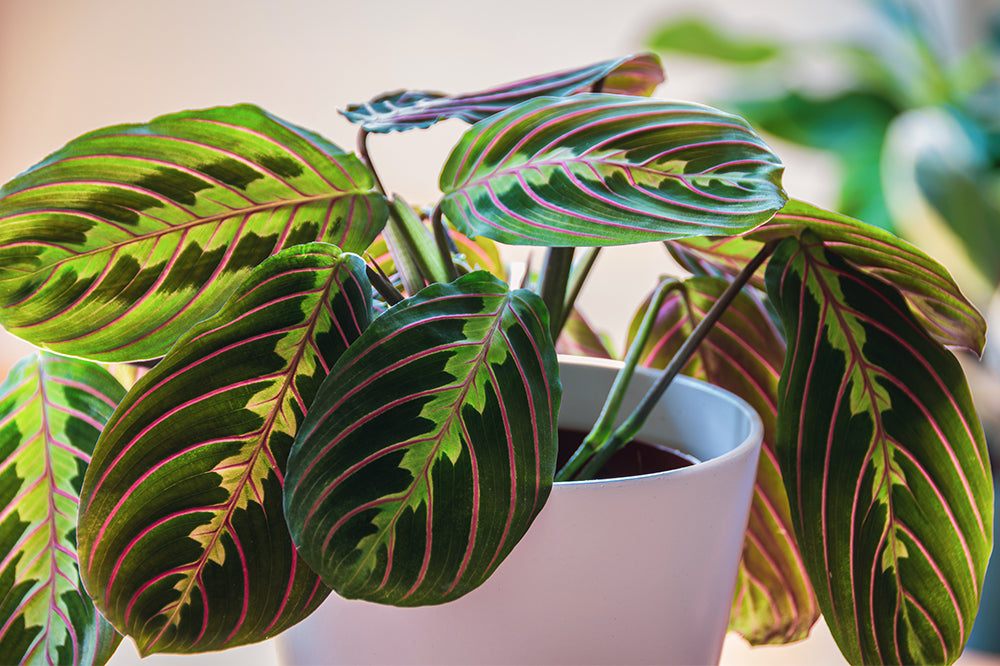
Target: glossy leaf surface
936	299
52	410
415	109
594	170
119	242
743	353
884	462
182	530
430	447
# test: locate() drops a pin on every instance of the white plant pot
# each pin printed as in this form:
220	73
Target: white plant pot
628	570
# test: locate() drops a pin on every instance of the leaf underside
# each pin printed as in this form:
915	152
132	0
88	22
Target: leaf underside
416	109
607	170
884	462
182	527
743	353
116	244
417	500
52	410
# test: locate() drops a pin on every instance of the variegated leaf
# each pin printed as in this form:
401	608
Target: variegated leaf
593	169
716	256
884	461
936	299
119	242
926	285
415	109
430	447
743	353
52	409
182	535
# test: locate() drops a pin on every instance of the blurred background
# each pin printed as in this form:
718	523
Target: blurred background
886	110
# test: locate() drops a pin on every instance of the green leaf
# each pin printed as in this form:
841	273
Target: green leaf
743	353
430	447
696	37
593	170
52	410
937	300
182	536
119	242
416	109
884	461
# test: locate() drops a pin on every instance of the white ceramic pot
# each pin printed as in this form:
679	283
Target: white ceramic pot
629	570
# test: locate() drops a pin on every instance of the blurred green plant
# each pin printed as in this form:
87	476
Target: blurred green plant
913	121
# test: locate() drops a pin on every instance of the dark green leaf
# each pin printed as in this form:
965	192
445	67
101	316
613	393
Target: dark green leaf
884	462
430	447
182	535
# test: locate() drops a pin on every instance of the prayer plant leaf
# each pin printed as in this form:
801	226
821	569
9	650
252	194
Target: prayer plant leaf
52	409
936	299
884	462
182	529
430	447
743	353
416	109
593	169
119	242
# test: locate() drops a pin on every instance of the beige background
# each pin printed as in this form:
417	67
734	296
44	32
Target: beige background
70	66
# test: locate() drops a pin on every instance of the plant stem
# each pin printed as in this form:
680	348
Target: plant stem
631	426
382	285
602	429
576	282
552	284
366	158
443	243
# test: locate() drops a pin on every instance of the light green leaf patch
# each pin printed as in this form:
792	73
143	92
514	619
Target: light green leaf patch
52	410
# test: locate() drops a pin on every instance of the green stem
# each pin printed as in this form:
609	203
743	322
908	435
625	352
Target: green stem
443	244
366	158
631	426
576	282
552	284
602	429
382	285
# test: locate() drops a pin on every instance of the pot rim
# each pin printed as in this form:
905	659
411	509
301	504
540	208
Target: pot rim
752	440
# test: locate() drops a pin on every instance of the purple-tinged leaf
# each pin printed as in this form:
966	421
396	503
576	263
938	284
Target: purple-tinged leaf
52	410
182	535
595	169
936	299
579	338
721	257
883	459
743	353
926	285
430	448
116	244
416	109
